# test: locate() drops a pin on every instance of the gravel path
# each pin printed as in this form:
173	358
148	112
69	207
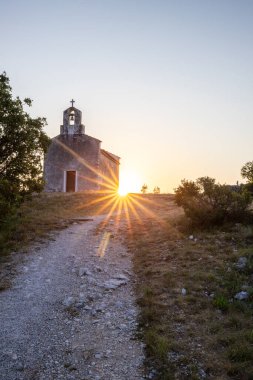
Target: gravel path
71	312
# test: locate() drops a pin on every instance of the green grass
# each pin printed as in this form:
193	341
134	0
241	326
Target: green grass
157	344
221	303
240	352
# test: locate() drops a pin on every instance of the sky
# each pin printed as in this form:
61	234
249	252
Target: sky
166	85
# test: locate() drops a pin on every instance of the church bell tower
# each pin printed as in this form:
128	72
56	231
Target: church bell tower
72	121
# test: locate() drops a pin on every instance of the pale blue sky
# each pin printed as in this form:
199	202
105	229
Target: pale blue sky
166	85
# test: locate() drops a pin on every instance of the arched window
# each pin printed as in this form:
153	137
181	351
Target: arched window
72	118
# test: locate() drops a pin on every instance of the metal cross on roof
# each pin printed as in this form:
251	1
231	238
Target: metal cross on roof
72	102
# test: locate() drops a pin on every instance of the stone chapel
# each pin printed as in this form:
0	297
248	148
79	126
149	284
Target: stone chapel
75	161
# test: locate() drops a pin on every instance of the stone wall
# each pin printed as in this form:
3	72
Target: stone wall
109	169
72	152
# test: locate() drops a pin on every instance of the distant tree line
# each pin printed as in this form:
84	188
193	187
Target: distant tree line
144	189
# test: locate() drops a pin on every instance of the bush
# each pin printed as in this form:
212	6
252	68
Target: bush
248	187
206	203
9	199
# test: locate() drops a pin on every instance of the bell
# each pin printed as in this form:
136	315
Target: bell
72	117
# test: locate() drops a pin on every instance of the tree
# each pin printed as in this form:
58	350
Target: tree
144	188
156	190
247	171
22	143
207	203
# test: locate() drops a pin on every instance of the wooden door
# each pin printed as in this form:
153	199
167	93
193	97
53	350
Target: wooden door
70	181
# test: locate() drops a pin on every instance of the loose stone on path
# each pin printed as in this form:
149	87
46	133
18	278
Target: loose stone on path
72	314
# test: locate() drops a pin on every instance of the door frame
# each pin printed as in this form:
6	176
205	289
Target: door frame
65	180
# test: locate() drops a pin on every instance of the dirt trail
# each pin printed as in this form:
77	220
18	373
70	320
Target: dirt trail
71	311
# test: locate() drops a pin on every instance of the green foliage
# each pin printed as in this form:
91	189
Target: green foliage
8	198
22	141
22	146
221	303
156	190
144	188
248	187
207	203
157	345
247	171
240	353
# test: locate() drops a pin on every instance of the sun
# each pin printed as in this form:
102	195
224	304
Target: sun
129	182
122	191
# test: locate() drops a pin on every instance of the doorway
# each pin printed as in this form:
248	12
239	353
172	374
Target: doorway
70	181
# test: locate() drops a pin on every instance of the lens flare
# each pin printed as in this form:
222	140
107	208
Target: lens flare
129	183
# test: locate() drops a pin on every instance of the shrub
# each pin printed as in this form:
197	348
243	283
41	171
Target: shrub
221	303
157	345
9	199
207	203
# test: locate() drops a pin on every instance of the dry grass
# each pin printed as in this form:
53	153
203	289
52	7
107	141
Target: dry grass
203	332
43	213
206	331
37	218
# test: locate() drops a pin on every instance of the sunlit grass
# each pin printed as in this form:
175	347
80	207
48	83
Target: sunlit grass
206	329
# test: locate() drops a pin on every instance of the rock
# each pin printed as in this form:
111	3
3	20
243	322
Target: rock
122	326
114	283
91	280
84	272
72	367
183	291
121	277
202	373
68	301
99	309
80	304
119	304
130	313
242	296
82	298
19	366
241	263
152	374
191	237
